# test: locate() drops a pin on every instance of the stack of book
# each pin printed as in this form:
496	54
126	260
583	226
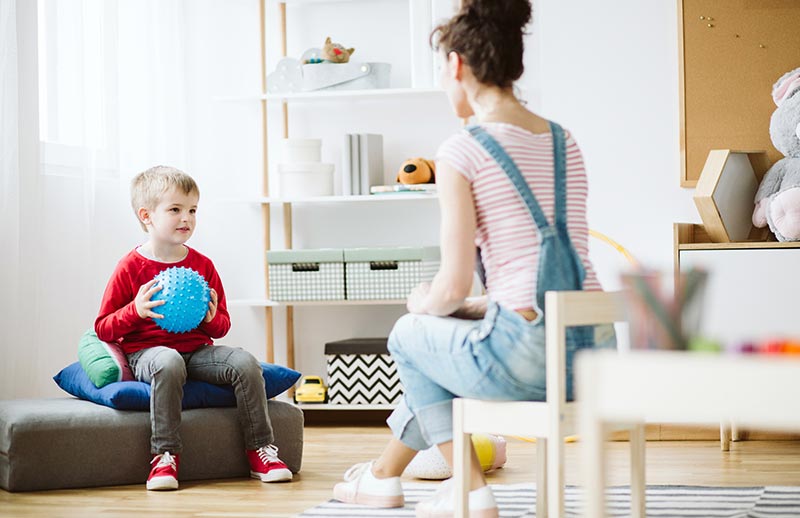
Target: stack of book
401	187
362	163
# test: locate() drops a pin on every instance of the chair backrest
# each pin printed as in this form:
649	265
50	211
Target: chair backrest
565	309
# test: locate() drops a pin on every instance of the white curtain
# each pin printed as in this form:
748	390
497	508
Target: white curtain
111	102
9	188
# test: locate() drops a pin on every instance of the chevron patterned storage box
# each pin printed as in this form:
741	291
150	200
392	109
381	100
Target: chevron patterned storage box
388	273
361	372
296	275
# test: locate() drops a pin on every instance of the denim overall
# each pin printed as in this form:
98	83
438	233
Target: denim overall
560	268
502	356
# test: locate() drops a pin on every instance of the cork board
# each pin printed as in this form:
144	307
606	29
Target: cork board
727	73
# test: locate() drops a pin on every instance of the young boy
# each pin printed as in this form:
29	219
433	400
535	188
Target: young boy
165	202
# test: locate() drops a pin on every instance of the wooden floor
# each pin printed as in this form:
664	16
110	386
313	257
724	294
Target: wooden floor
330	450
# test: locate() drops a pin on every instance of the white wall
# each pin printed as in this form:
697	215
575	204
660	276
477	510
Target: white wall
606	71
609	73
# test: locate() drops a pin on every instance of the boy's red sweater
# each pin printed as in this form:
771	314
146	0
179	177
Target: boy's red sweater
118	321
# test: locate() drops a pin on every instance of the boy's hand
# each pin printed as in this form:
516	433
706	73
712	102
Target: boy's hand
143	302
212	306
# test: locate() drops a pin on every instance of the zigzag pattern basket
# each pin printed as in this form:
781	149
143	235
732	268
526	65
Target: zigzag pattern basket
362	376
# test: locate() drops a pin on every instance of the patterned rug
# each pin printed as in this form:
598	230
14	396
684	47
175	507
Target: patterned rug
518	501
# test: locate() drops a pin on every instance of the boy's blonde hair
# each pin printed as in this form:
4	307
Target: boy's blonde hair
147	187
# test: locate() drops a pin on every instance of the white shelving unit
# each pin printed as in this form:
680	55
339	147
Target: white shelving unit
417	8
337	199
379	94
328	406
273	303
355	95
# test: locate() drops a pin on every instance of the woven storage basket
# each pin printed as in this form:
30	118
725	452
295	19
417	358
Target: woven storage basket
297	275
388	273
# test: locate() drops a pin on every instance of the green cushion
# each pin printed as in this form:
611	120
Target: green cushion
104	363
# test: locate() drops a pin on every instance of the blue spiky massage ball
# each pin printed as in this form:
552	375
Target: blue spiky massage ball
186	294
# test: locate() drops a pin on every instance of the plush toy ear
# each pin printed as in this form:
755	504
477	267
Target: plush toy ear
328	40
432	167
350	51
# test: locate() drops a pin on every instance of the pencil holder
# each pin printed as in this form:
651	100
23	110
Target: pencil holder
664	311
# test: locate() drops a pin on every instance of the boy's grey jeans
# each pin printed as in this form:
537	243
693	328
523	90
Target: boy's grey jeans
166	370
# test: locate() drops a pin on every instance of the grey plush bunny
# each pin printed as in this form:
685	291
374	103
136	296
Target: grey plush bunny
778	197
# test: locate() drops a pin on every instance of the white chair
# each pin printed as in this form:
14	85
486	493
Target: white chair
549	421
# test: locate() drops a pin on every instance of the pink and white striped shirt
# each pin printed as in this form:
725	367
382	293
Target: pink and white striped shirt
506	233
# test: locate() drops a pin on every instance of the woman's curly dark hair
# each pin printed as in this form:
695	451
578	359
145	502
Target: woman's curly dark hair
488	35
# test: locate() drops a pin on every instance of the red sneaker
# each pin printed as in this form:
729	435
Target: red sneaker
164	475
266	466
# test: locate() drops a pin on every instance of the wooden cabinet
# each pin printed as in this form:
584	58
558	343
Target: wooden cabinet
753	287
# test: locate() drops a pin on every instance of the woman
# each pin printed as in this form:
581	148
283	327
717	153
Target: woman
515	186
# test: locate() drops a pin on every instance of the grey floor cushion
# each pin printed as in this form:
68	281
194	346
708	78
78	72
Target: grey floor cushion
66	443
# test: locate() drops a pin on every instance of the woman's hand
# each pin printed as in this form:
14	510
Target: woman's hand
474	308
212	306
143	303
416	299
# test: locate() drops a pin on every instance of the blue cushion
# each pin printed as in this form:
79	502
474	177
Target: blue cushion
135	395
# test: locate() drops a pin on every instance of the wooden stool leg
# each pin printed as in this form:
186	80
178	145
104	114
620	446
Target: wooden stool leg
541	477
594	467
555	478
638	486
462	457
735	435
724	437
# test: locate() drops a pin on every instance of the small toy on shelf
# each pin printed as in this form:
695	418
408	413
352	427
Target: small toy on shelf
311	390
430	465
330	53
417	170
328	68
778	197
335	52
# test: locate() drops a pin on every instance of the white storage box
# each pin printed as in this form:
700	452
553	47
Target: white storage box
306	274
388	273
305	179
346	76
291	75
361	371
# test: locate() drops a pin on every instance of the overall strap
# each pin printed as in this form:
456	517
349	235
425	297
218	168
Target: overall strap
499	154
560	176
559	268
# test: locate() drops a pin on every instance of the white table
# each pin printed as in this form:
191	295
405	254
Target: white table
678	387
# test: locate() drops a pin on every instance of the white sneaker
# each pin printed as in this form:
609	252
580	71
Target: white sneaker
361	487
442	503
